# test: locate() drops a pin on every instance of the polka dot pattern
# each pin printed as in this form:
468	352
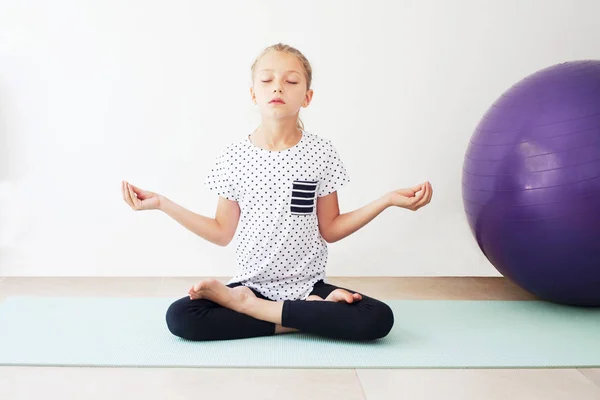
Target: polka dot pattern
280	251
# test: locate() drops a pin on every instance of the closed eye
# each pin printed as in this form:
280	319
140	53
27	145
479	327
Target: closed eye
293	83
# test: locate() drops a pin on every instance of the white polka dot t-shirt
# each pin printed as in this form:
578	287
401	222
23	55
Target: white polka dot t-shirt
280	251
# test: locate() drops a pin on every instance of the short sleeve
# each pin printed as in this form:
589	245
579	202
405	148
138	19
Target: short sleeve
335	175
219	179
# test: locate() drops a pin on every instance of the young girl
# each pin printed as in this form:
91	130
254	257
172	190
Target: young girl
280	185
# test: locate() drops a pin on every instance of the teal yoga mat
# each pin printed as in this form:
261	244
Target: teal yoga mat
117	332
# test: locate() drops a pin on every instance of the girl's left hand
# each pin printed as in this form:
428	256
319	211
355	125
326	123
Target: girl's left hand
412	198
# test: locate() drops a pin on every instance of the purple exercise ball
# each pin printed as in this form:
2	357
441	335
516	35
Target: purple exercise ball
531	183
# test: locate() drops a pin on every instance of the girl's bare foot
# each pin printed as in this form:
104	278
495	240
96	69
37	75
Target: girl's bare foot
283	329
212	289
339	295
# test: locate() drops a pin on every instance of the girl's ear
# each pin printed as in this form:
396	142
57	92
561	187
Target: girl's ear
252	95
308	98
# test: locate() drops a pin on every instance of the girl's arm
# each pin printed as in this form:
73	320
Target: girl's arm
219	230
335	226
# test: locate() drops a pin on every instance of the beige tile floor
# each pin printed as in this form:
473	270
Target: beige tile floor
18	383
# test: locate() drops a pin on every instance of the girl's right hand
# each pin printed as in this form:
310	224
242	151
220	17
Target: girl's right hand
139	199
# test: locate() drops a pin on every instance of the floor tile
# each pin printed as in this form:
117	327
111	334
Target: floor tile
489	384
592	373
26	383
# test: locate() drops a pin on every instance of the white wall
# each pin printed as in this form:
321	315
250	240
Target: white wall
92	93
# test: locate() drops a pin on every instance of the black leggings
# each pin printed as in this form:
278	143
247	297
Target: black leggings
202	319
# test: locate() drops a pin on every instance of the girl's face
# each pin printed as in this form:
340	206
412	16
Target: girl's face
279	87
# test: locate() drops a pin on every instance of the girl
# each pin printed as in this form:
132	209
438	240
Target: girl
280	185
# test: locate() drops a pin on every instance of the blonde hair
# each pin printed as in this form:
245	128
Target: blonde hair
284	48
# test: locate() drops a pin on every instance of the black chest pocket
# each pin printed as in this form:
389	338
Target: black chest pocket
304	195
